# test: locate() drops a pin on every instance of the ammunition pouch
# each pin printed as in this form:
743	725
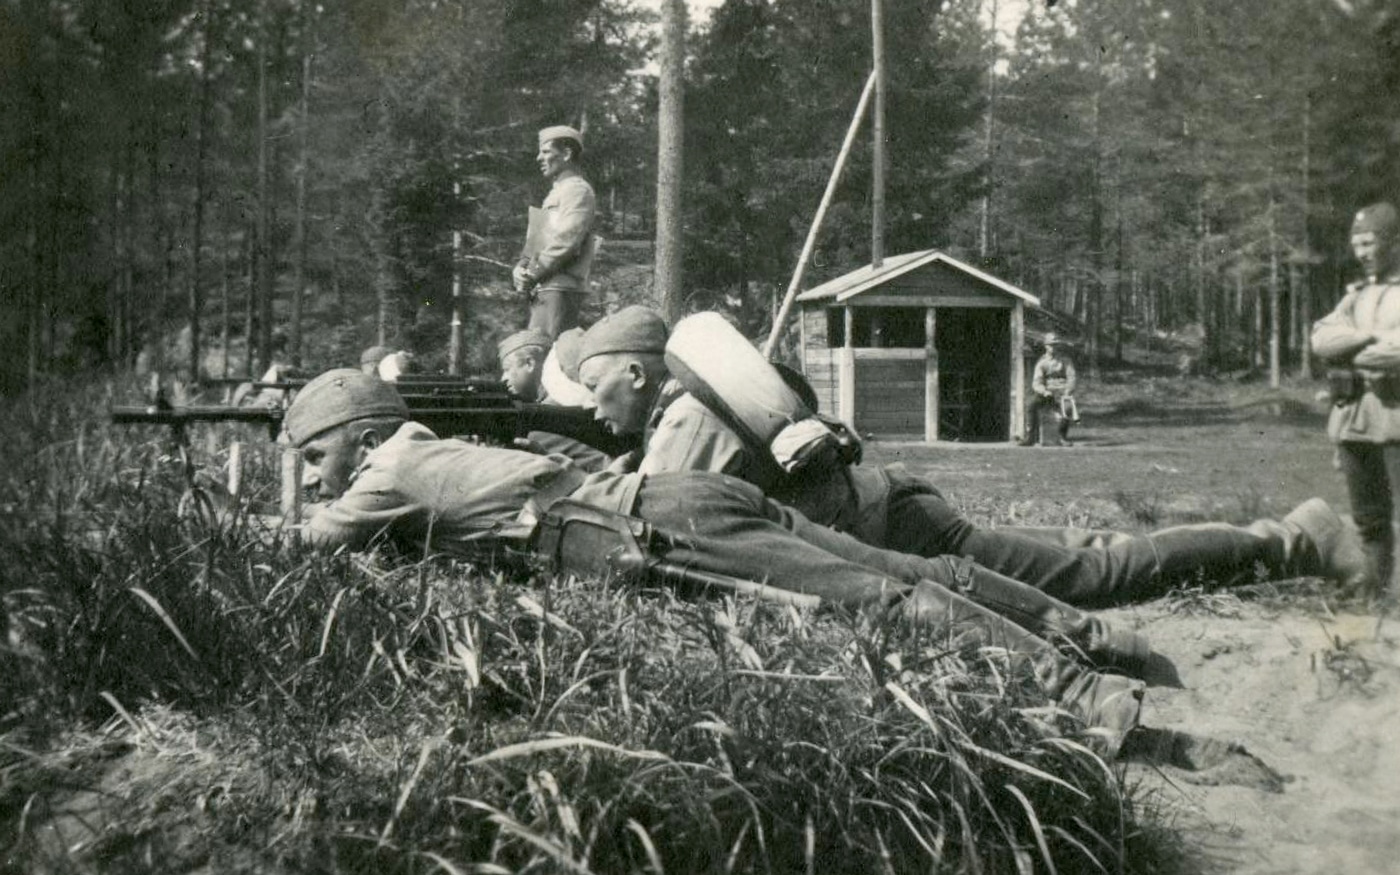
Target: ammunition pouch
1386	387
1345	385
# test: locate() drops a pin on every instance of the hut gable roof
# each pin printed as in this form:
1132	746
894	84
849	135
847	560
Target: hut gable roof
865	278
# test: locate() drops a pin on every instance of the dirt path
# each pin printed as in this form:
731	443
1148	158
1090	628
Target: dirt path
1317	698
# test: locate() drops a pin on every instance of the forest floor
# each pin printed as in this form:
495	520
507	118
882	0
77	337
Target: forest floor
1307	683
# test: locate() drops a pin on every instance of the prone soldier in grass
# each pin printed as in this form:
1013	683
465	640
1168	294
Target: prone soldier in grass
628	359
381	476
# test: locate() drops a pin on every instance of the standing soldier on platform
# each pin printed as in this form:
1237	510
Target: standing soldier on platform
1360	340
553	266
1053	382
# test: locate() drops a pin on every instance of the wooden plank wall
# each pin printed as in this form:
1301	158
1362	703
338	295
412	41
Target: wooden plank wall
890	394
820	364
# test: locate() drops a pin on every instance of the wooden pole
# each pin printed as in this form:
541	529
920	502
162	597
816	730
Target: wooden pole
669	160
877	200
817	220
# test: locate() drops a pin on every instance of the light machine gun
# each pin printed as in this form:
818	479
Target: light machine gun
459	408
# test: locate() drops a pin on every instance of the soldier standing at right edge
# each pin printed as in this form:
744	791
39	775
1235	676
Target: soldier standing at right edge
1360	341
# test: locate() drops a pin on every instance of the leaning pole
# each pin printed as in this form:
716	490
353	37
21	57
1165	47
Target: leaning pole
817	220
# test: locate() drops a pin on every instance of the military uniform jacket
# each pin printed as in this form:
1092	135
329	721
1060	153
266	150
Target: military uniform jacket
416	488
1363	332
685	435
1054	375
557	261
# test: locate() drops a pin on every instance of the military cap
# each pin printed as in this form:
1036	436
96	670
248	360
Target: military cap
522	339
374	355
567	347
631	329
335	398
561	132
1379	218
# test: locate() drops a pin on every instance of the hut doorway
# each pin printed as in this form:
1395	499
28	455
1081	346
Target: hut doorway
974	400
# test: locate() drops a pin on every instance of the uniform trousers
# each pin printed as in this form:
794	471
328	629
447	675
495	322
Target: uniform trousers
1112	570
554	311
724	525
1372	473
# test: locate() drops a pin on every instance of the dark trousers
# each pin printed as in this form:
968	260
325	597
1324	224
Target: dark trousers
1040	407
724	525
1122	570
1372	472
554	311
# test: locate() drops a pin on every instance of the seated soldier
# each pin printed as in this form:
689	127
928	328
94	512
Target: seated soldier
382	476
523	355
622	363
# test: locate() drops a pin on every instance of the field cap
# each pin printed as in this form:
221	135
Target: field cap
335	398
631	329
522	339
561	132
374	355
1380	219
1051	339
567	347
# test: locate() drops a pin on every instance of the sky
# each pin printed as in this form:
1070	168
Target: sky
1009	12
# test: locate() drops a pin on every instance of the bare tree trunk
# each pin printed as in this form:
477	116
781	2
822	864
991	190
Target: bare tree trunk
984	236
1275	317
1302	286
262	270
669	167
303	166
196	299
225	308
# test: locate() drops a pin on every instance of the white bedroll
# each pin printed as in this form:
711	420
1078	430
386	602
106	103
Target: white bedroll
720	367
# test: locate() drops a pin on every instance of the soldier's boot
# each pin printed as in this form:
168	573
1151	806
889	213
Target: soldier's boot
1108	705
1063	429
1091	637
1318	541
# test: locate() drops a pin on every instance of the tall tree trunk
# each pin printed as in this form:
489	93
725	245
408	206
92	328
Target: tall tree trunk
984	234
201	134
1275	320
669	167
262	252
250	301
303	167
225	307
1302	286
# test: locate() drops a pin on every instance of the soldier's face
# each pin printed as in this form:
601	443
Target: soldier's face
1376	252
521	374
619	388
552	159
329	461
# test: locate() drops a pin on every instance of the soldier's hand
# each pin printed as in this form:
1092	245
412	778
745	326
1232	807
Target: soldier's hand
521	278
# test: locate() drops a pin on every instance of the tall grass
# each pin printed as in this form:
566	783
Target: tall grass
186	689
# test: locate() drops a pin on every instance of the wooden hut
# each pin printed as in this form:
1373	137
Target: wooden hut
924	347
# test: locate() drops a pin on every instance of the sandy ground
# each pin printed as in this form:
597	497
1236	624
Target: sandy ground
1316	697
